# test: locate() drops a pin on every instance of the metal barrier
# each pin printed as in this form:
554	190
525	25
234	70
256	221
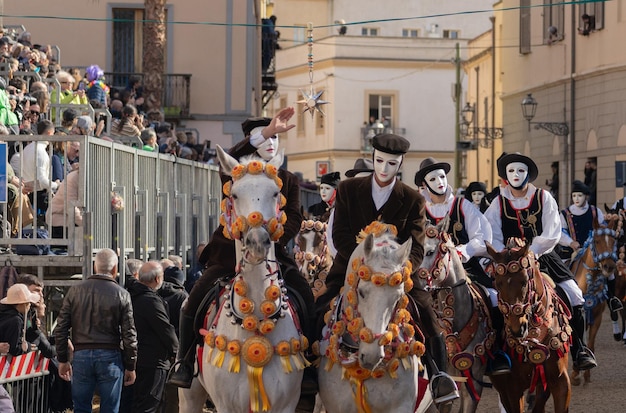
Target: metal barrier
170	205
24	378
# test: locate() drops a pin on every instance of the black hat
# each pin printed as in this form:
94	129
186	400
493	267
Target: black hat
251	123
507	158
390	143
174	275
70	114
331	179
475	187
578	186
360	165
428	165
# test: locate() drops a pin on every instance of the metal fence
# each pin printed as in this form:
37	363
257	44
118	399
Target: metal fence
169	204
24	379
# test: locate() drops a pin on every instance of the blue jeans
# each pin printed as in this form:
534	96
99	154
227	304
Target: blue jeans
101	369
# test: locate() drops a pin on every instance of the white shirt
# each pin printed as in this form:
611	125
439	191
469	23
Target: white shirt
551	224
380	195
36	166
566	239
477	227
329	234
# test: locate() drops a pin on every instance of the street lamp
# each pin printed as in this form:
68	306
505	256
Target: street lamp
467	118
529	108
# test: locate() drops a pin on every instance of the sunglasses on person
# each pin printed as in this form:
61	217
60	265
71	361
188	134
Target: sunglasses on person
34	113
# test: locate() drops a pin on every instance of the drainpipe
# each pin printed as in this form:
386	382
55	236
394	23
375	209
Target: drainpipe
493	100
257	60
572	126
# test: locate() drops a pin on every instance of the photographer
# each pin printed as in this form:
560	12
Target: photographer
131	123
7	117
66	95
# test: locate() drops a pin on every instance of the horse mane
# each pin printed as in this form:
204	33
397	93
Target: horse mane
245	160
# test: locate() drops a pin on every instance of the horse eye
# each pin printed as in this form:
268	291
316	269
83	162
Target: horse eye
429	253
276	194
361	294
234	196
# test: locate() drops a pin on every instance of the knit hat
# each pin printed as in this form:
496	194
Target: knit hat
20	294
579	186
508	158
93	72
174	275
360	165
428	165
331	179
390	143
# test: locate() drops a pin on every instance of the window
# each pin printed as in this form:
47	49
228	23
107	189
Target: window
590	17
450	34
524	26
553	21
410	32
369	31
381	109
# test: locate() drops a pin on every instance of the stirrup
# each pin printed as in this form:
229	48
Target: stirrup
451	394
178	378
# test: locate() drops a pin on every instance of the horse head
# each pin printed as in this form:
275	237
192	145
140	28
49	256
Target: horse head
251	208
380	273
513	269
439	267
603	243
311	247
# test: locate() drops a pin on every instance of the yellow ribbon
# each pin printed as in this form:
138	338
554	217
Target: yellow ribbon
234	365
284	360
219	359
258	395
360	397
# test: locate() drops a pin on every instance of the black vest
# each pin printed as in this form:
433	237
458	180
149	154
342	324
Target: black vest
580	226
522	223
456	229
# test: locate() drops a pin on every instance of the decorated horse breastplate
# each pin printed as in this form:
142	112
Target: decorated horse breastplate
522	223
580	225
456	229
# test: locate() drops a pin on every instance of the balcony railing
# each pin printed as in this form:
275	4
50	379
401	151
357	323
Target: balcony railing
176	91
369	131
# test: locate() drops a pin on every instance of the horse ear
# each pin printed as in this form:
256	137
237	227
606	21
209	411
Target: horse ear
277	160
607	209
368	244
492	251
595	224
404	252
227	162
443	225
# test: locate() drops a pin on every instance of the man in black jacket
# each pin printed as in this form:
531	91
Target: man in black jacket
157	340
100	315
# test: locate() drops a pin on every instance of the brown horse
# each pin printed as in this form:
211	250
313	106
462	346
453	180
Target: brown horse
591	267
312	254
537	331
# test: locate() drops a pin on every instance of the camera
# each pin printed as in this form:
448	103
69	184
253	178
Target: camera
28	98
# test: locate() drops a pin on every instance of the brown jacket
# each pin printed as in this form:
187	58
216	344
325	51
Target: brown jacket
355	209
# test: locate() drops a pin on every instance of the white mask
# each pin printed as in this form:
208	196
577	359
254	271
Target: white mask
437	181
386	166
477	197
579	199
517	174
268	149
326	192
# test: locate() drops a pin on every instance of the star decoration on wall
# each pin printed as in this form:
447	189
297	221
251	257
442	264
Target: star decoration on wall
311	101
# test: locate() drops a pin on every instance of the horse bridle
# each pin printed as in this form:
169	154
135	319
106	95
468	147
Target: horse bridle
439	270
514	266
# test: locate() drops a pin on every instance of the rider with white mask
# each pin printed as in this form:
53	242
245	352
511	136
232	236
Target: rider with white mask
218	257
476	192
328	190
525	211
384	197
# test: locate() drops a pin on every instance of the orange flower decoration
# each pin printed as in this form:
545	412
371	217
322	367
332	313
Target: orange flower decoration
403	350
359	373
222	220
282	217
249	323
351	279
355	325
266	326
304	342
295	346
366	335
327	317
378	373
255	167
255	219
283	348
224	204
379	279
408	285
339	328
279	183
394	329
352	298
220	342
409	330
241	288
240	225
227	187
272	225
268	307
234	347
395	279
349	311
409	266
406	271
246	306
209	339
385	338
394	364
272	292
277	234
404	302
418	349
257	351
402	316
283	201
271	170
364	273
355	264
238	171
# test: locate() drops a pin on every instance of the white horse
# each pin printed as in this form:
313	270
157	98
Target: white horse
369	356
461	309
251	360
313	255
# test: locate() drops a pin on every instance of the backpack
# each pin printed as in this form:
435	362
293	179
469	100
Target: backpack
43	249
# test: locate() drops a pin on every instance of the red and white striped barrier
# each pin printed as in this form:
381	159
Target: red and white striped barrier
25	366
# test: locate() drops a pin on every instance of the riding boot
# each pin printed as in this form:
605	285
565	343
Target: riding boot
442	387
583	357
501	362
615	305
183	376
